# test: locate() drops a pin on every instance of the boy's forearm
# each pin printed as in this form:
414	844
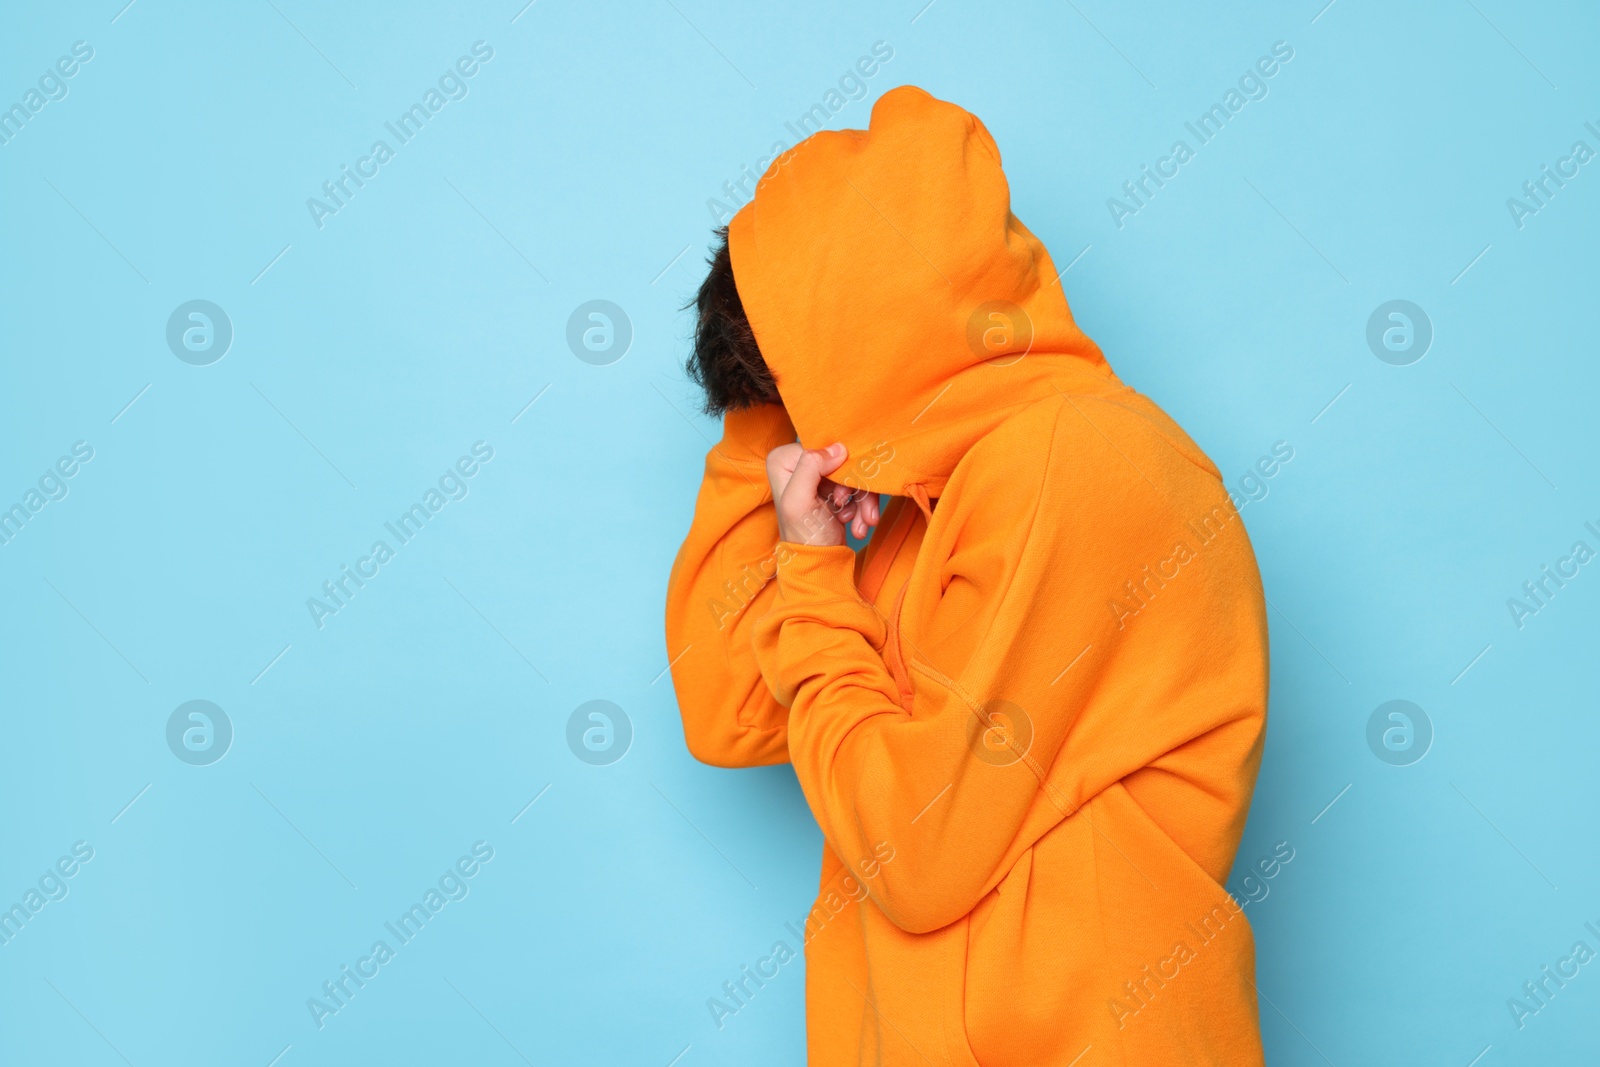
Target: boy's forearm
720	582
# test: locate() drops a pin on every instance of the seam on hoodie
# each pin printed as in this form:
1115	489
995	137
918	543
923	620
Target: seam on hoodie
744	714
920	662
1165	437
1100	928
1133	798
738	462
1053	794
1033	519
797	615
743	718
985	142
958	1024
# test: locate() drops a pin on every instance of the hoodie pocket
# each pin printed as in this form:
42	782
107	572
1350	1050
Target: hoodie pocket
1034	989
957	1045
894	650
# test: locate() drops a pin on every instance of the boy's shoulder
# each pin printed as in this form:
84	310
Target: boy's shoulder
1116	415
1095	447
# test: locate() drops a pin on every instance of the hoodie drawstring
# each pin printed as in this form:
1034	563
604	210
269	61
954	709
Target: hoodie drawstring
919	492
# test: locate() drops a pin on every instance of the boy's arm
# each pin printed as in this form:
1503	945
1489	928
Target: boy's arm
948	764
720	583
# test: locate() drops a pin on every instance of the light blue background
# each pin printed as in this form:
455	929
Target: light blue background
425	316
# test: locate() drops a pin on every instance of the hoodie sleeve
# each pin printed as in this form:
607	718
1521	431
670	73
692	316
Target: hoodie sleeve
720	582
1018	677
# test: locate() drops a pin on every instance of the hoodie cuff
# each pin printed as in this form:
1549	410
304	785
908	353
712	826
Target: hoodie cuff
819	628
750	433
814	574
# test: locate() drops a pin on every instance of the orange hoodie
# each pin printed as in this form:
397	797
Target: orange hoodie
1028	720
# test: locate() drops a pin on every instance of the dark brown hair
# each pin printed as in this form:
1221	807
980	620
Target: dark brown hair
726	362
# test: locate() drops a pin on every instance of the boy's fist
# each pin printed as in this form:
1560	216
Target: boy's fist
812	508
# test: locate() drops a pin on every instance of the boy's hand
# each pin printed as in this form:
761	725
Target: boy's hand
812	508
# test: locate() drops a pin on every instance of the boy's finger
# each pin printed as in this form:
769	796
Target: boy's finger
832	457
805	483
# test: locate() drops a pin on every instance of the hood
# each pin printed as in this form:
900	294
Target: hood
901	306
